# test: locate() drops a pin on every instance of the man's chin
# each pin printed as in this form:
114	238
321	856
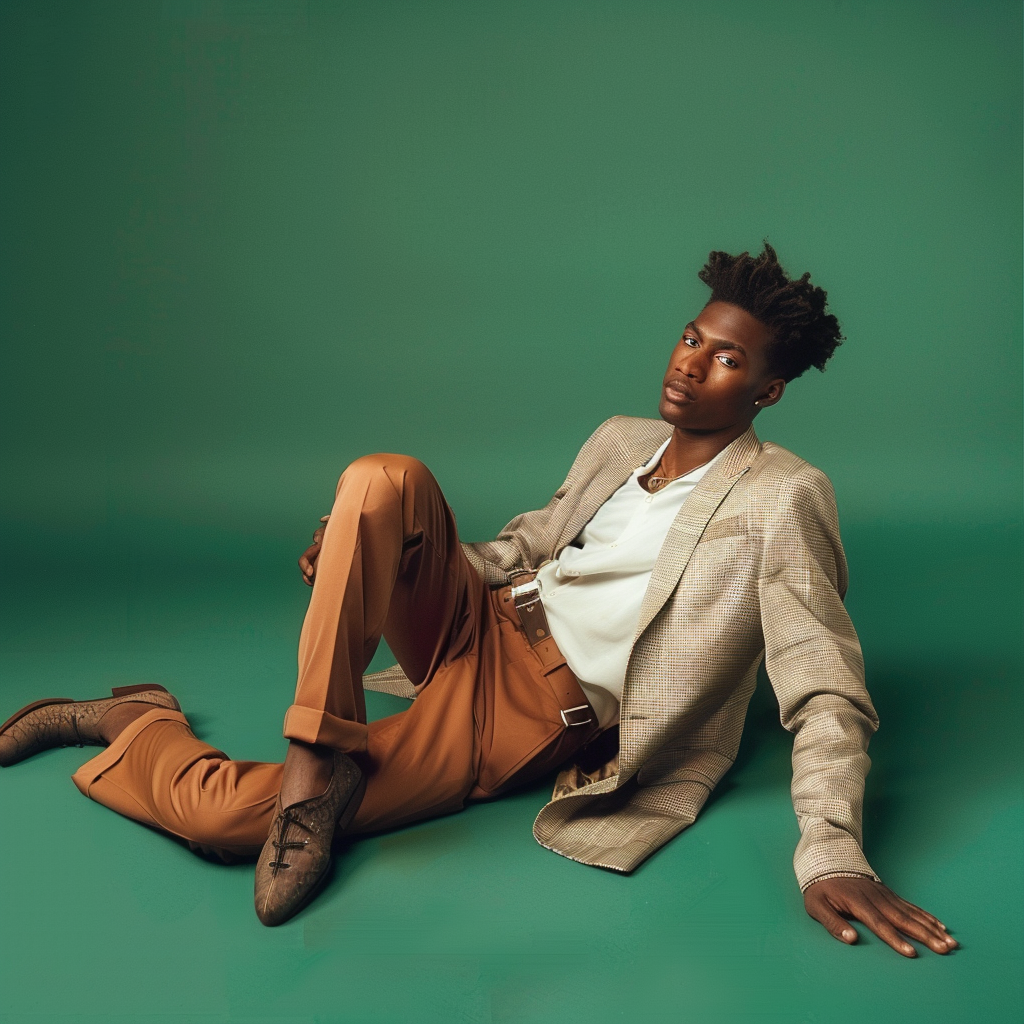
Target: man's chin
685	420
678	416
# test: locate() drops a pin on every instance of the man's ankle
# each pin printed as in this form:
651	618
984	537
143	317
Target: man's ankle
113	722
308	768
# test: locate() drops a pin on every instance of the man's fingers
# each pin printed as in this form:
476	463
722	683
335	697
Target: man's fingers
917	924
307	560
916	929
915	909
832	922
876	920
940	940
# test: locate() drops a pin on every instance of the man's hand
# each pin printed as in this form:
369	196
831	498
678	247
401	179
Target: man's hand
886	914
307	560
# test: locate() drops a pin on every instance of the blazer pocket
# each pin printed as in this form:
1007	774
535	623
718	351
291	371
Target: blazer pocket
730	526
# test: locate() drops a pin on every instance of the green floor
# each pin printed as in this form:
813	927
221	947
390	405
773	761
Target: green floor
467	918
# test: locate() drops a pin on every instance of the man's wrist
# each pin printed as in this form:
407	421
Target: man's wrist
840	874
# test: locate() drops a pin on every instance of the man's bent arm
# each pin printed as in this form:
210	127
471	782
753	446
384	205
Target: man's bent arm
529	538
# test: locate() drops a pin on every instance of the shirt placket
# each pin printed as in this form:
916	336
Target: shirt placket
635	521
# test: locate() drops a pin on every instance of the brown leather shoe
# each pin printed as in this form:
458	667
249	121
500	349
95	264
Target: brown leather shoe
62	722
297	855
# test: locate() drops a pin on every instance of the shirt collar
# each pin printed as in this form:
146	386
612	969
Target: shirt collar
654	459
692	477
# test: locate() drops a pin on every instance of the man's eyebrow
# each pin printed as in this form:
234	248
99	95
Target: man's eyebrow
717	342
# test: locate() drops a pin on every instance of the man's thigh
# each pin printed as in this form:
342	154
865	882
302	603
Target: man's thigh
421	763
437	609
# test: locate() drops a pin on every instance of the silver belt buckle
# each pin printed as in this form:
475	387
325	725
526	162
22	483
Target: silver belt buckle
568	711
532	588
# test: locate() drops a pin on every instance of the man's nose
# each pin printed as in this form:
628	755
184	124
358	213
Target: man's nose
691	363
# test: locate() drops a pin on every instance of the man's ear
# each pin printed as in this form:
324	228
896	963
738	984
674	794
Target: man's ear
771	394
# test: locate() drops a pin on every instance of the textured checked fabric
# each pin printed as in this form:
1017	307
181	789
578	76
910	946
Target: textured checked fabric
752	568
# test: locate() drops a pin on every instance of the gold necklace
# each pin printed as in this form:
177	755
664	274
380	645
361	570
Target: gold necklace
655	483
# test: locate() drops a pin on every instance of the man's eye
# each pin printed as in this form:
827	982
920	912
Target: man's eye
728	361
692	342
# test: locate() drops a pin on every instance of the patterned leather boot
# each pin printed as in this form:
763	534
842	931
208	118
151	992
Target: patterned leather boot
296	858
62	722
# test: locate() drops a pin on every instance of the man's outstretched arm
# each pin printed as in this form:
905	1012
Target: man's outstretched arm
814	662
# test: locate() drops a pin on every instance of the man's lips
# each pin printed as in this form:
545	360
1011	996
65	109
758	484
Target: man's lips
677	390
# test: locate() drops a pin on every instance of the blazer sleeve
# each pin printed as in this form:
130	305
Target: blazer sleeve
814	661
512	549
531	536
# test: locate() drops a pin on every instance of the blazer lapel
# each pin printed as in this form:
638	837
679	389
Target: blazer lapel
632	450
691	521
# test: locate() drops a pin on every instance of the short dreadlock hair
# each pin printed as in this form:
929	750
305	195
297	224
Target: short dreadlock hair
803	334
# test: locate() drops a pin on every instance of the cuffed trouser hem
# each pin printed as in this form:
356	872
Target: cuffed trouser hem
92	770
157	772
311	726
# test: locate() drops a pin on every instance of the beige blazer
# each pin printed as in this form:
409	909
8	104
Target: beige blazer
752	567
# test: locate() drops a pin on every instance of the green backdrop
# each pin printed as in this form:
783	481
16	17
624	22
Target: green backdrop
247	241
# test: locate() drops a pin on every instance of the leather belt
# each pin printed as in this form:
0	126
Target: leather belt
524	595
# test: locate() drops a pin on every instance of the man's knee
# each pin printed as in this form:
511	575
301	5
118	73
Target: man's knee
387	469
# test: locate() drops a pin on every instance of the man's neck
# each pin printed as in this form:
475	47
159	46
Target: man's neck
688	449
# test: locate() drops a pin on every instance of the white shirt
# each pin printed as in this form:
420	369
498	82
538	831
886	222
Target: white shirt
593	591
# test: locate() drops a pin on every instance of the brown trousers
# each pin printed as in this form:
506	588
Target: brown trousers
486	718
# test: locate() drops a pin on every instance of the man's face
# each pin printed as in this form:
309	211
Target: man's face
718	369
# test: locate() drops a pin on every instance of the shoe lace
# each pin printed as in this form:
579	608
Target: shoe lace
287	818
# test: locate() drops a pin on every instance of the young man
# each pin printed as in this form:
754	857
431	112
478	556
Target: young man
618	631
